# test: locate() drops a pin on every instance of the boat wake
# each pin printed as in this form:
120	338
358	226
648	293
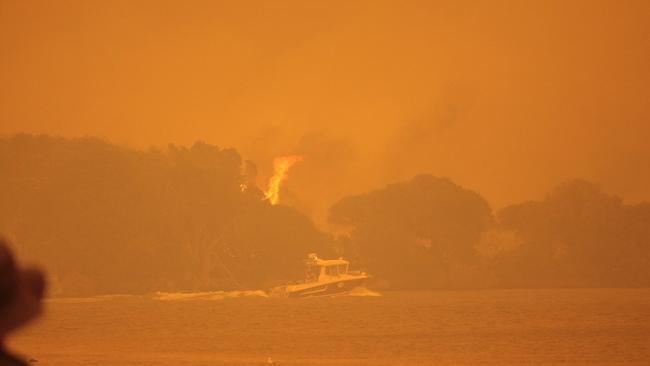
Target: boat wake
188	296
78	300
208	295
363	291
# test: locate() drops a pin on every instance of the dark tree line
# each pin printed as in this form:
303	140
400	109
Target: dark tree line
577	236
110	219
107	219
431	233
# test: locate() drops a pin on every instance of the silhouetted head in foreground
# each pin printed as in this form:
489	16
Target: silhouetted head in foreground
21	292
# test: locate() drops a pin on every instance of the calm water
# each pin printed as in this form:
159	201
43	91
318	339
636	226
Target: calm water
512	327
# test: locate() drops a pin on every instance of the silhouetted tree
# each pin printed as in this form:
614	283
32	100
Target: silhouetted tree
577	236
421	233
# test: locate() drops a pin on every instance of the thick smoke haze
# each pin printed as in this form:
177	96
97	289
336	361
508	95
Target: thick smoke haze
449	182
505	97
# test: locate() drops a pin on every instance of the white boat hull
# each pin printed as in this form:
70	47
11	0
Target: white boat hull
313	289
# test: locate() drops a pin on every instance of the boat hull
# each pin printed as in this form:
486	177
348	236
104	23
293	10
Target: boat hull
326	289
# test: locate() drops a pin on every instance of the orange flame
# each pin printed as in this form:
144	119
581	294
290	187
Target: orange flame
281	166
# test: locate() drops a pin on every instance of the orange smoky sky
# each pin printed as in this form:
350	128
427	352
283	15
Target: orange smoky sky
504	97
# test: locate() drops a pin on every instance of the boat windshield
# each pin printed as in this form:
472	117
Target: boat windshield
332	270
336	269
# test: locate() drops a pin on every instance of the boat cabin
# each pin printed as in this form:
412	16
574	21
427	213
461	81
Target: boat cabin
324	269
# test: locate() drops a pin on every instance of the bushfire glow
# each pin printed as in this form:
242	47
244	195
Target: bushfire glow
281	166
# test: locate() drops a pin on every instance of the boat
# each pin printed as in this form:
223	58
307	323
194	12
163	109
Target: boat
324	277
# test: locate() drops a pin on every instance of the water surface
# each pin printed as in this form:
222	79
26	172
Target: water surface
494	327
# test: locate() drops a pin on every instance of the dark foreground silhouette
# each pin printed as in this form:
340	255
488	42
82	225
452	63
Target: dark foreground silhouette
21	292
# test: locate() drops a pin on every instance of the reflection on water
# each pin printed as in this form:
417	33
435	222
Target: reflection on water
497	327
